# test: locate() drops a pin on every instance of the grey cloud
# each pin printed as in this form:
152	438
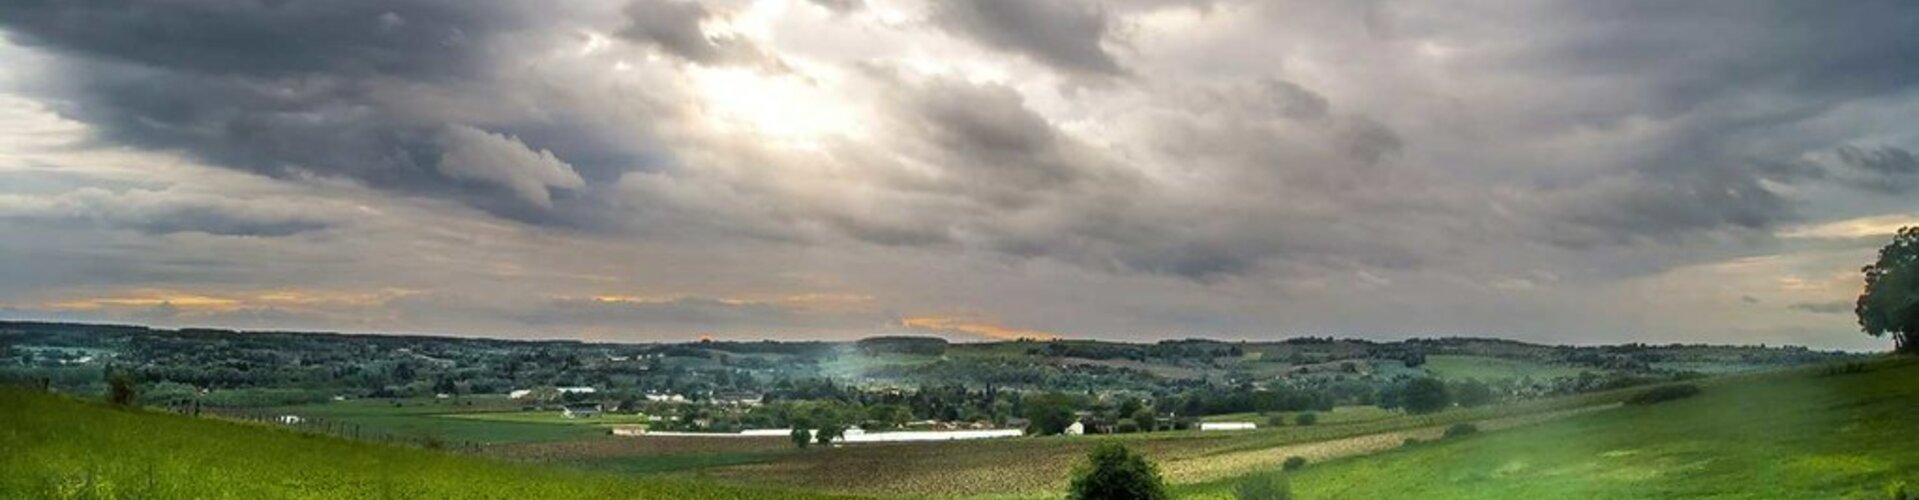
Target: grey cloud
166	212
1064	34
1370	142
1888	170
673	26
1293	101
841	6
353	89
504	161
1838	307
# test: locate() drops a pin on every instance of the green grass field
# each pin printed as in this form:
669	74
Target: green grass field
1451	367
441	420
551	417
56	447
1800	434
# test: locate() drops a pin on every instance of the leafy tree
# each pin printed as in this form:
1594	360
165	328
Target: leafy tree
830	432
1472	393
801	437
1114	472
1424	395
1049	413
1148	421
121	388
1263	487
1890	303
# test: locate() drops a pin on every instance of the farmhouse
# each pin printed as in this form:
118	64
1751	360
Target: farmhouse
1227	426
580	410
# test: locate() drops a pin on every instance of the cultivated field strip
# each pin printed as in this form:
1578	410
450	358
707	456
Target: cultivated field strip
1210	467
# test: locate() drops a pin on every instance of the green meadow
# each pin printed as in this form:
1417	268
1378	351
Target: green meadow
1799	434
57	447
487	422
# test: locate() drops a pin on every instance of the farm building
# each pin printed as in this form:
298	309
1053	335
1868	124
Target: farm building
1075	429
580	410
1227	426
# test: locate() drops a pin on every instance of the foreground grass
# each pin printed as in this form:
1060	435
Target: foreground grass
1800	434
56	447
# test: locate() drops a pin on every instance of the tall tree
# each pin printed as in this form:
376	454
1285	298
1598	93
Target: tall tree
1890	303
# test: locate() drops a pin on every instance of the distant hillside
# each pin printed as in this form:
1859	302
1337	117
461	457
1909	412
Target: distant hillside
57	447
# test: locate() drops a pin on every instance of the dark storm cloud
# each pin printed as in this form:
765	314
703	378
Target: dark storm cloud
292	88
1732	86
1064	34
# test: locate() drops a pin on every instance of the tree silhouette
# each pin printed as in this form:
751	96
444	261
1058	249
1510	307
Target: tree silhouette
1890	303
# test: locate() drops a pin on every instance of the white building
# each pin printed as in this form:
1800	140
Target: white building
1075	429
1227	426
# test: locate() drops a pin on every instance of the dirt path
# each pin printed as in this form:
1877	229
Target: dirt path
1210	467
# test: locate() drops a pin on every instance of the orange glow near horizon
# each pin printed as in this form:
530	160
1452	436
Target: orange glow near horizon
974	326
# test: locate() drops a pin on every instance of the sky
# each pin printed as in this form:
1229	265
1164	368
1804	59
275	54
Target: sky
1560	171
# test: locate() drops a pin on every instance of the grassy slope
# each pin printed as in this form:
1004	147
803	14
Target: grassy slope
55	447
1798	434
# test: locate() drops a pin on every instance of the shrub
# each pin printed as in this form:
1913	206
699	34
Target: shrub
800	437
1293	463
1126	426
121	389
1664	393
1276	421
1463	429
1308	418
1410	442
1114	472
1897	491
1424	395
829	432
1263	487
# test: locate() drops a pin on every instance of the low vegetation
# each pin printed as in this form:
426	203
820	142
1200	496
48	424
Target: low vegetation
1114	472
1664	393
1797	434
57	447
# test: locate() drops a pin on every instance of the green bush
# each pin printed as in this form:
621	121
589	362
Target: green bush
1276	421
1114	472
1461	429
1126	426
121	389
1664	393
1293	463
1897	491
1308	418
1263	487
